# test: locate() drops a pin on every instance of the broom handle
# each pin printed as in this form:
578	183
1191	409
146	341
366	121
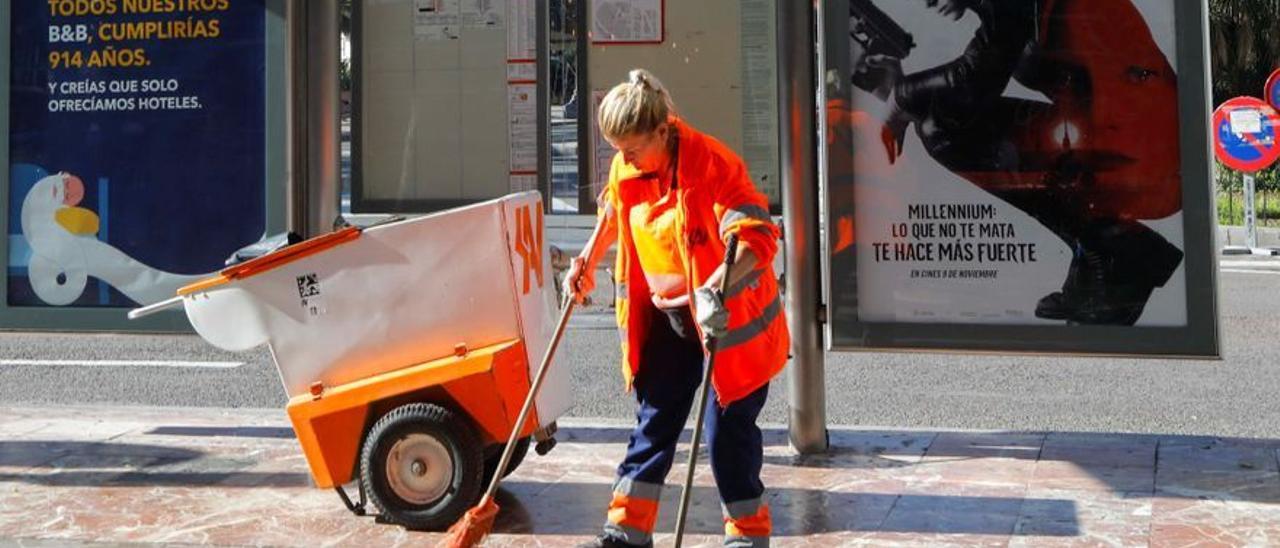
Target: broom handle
537	385
730	253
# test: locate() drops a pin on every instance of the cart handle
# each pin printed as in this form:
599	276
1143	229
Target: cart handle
156	307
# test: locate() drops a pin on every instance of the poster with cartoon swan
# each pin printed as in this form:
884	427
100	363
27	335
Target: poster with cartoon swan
64	250
137	147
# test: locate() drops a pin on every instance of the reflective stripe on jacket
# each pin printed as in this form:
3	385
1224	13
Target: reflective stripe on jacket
715	198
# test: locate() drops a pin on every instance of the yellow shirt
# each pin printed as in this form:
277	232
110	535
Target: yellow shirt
654	231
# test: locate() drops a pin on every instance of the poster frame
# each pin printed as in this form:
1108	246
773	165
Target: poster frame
363	205
69	318
1199	338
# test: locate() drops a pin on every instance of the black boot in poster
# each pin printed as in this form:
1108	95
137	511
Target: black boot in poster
1057	305
1122	263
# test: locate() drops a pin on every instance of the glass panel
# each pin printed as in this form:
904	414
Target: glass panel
445	102
717	57
565	33
344	120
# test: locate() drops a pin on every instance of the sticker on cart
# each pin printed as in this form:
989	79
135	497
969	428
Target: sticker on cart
309	294
529	244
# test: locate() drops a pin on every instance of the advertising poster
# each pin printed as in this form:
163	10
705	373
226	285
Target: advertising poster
1005	164
137	146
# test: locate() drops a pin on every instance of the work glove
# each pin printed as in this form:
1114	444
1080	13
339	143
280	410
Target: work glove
712	316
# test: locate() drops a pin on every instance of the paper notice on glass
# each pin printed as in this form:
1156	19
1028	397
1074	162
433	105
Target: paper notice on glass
521	182
445	19
522	123
522	29
482	13
435	20
760	95
601	151
522	71
622	21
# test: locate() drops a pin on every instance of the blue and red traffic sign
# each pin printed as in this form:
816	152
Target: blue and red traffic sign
1245	134
1273	90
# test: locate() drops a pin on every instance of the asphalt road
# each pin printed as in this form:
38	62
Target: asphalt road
1233	397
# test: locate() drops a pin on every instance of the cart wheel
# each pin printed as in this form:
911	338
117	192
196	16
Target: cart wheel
517	456
421	464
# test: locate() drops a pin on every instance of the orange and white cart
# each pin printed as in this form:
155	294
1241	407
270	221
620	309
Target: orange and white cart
405	349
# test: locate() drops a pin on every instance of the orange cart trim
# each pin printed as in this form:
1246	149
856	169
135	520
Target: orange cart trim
394	383
273	260
202	285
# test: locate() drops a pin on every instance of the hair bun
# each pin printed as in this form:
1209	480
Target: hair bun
637	105
639	77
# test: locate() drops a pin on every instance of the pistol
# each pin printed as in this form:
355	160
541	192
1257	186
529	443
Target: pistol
877	34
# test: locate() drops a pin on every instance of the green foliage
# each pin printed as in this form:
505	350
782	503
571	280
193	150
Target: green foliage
1231	208
344	74
1243	48
1230	180
1230	191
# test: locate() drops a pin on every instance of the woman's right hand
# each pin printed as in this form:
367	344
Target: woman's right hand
579	280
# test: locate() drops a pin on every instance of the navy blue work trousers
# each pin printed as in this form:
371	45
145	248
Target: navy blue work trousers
665	388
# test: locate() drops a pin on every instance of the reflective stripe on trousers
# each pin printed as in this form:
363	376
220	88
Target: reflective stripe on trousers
747	523
633	511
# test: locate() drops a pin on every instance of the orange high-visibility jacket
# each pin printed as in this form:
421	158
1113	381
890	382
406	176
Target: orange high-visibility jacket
715	198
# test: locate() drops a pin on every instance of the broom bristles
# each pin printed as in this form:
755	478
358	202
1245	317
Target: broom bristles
473	527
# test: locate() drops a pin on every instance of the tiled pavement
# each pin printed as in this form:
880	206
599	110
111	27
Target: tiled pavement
200	476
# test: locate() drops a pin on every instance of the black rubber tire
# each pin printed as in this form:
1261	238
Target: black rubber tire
517	457
464	449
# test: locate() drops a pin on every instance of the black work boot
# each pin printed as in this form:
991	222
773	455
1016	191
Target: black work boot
607	541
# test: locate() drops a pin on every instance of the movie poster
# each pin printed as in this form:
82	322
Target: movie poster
1005	163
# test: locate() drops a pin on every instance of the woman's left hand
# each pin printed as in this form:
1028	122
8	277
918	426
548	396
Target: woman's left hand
710	312
663	303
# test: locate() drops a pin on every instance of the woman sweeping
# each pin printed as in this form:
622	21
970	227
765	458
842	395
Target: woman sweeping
674	197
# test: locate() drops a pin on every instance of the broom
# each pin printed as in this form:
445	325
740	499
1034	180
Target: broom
730	252
478	521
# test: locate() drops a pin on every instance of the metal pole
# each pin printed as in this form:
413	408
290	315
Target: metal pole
797	109
312	56
1250	214
542	37
586	110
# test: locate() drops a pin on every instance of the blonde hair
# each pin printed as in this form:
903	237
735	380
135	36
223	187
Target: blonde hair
635	107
